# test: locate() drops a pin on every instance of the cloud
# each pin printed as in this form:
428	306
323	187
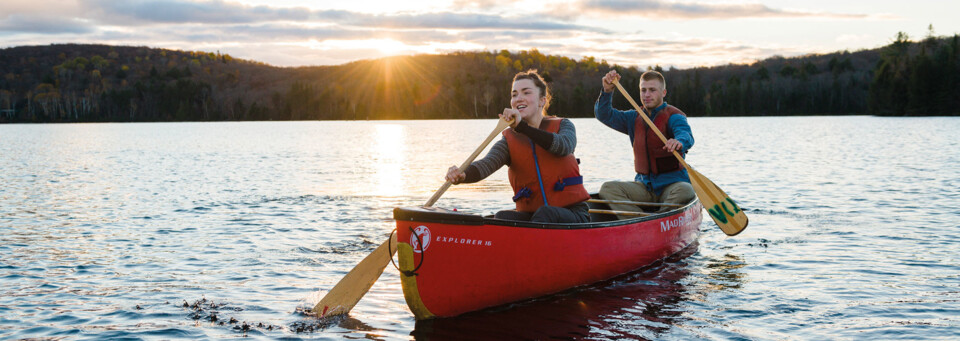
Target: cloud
222	12
449	20
295	32
694	10
38	7
41	24
480	4
183	11
290	36
676	51
285	32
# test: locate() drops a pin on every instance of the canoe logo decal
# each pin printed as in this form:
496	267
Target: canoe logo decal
667	225
424	234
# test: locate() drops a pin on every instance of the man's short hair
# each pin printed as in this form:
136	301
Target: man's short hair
654	75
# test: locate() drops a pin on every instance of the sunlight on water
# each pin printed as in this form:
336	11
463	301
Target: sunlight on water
172	230
389	160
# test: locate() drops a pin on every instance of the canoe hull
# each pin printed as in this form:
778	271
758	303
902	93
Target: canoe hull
468	262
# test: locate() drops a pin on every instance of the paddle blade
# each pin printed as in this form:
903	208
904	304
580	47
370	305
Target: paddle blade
350	289
724	211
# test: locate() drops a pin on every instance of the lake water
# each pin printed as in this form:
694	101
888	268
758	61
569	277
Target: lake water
148	230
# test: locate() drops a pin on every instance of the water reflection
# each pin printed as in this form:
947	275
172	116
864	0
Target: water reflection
640	305
99	219
725	273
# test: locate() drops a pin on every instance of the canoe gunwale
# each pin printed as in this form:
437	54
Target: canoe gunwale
480	262
435	215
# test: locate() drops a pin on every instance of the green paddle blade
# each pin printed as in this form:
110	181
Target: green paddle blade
724	211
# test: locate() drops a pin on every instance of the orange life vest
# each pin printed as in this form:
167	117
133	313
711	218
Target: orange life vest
648	154
559	176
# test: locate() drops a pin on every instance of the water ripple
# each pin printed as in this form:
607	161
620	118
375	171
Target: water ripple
109	229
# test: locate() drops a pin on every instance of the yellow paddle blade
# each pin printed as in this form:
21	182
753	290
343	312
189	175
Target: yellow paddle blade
724	211
350	289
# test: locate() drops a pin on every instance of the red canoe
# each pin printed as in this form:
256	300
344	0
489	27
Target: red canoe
469	262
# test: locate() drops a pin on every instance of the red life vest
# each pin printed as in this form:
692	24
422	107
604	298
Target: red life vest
648	154
560	174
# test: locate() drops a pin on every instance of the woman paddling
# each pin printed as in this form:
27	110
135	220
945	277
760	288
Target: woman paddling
538	149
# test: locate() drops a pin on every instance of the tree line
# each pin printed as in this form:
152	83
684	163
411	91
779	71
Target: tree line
902	78
97	83
920	78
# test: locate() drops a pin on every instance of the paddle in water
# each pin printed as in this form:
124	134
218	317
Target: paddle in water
724	211
346	293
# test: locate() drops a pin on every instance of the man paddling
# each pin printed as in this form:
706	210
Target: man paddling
660	176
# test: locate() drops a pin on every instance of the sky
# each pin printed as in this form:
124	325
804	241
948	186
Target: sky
642	33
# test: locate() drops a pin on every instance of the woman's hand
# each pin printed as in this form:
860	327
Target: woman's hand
609	79
454	175
511	115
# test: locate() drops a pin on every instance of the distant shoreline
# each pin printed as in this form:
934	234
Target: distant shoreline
102	83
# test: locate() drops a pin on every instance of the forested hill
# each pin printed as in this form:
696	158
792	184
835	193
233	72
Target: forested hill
94	83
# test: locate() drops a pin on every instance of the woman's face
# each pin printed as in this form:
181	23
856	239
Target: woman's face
525	97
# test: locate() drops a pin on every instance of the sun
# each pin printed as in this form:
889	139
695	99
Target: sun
390	47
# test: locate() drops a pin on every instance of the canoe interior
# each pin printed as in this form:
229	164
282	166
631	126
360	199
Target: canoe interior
442	215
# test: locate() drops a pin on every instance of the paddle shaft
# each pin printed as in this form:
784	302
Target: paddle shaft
351	288
501	125
730	218
649	122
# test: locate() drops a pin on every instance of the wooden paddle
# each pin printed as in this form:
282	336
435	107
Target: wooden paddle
501	125
346	293
724	211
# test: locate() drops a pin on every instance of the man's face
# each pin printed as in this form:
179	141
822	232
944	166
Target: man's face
652	93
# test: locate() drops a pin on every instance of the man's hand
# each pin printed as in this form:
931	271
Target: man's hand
608	80
673	146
